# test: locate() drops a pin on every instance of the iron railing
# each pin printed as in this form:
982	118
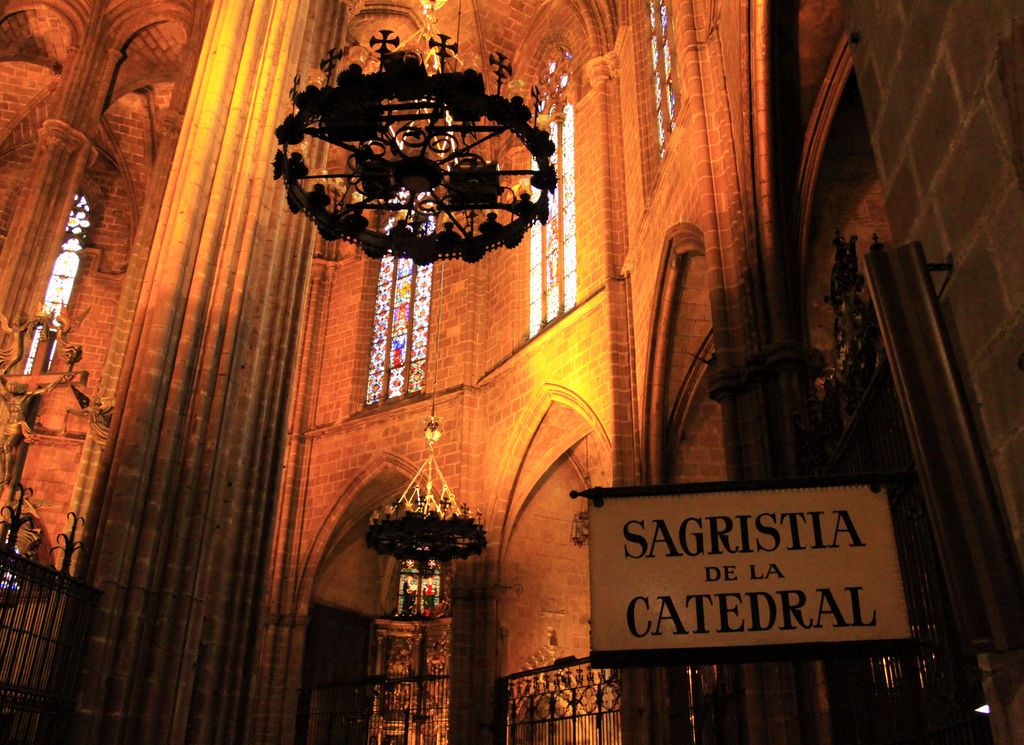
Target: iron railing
706	705
44	619
563	704
927	698
378	711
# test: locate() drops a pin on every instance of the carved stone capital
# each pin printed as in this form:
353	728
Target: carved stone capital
62	137
599	70
724	383
168	123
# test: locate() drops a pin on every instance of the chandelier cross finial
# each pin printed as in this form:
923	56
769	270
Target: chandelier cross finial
384	42
445	50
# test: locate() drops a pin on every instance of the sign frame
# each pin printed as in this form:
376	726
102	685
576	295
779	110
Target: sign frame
606	655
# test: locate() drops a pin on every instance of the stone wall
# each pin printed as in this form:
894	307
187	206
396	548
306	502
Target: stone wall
942	95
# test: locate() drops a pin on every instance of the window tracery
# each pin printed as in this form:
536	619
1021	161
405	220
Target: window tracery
65	268
661	61
419	590
553	246
401	322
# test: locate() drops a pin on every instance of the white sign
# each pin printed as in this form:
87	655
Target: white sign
744	569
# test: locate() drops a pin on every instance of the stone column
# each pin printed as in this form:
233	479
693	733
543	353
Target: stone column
598	109
182	520
473	664
168	126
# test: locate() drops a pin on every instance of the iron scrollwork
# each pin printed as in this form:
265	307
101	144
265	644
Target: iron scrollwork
415	180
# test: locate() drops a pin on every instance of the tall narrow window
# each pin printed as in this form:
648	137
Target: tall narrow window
65	268
553	246
401	320
661	59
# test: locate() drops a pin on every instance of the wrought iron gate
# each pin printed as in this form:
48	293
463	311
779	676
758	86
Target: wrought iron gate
567	704
380	711
44	619
706	704
930	698
857	427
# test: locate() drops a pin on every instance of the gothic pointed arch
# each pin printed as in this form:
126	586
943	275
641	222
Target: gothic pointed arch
815	138
345	522
557	420
24	128
679	324
44	33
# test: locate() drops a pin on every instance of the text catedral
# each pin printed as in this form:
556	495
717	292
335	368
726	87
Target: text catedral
730	612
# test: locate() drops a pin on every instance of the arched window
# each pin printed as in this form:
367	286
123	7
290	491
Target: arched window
401	319
65	268
661	60
553	246
419	589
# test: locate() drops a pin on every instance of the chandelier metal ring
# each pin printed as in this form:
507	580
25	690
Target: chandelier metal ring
416	179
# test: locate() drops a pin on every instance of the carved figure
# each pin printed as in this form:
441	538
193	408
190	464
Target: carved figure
98	411
65	351
13	347
14	428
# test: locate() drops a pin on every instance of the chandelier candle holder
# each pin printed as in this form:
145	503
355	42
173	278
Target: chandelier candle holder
414	176
426	522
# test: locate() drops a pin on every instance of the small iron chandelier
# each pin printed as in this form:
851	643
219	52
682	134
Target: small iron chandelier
415	180
426	522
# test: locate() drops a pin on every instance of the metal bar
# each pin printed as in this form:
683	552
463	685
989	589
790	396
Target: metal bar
44	617
600	493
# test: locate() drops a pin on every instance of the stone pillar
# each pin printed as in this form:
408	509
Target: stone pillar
473	719
598	109
182	520
758	364
168	126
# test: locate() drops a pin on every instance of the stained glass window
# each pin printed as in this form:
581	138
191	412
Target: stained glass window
661	60
65	268
553	246
401	320
419	589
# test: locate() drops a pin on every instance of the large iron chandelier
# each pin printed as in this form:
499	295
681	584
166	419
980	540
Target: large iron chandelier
426	522
415	177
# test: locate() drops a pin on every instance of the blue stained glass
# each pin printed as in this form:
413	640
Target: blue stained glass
399	334
419	589
403	290
395	382
375	388
398	351
417	374
661	61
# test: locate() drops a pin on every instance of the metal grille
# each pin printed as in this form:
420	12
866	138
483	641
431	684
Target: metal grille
394	711
706	705
44	619
570	704
930	698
